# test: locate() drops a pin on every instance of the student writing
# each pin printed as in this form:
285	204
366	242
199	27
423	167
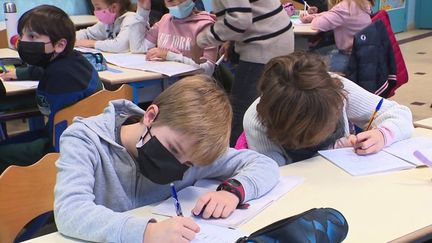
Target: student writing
303	109
345	18
126	158
173	37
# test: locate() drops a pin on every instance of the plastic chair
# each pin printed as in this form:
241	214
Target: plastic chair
90	106
26	193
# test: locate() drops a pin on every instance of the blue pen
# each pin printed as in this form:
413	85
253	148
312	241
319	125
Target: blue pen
378	107
176	201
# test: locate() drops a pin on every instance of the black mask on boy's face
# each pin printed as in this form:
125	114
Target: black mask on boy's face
33	53
157	163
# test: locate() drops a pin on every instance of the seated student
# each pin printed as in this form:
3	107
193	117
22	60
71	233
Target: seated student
345	18
173	38
111	33
47	38
303	109
108	165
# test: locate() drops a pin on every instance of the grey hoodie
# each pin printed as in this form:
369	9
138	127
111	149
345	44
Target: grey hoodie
98	180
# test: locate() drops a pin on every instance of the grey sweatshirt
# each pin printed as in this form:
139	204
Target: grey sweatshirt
98	180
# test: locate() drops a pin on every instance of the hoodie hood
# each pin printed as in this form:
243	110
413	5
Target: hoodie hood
196	16
107	124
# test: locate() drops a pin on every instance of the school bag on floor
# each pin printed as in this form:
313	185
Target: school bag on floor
317	225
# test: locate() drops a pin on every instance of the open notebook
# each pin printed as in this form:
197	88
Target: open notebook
189	195
398	156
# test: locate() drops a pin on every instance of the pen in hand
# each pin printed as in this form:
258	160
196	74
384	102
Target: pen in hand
175	200
372	118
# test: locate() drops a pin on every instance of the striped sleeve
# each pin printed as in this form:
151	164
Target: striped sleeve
233	19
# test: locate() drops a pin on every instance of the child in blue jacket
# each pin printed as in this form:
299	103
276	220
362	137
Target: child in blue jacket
47	38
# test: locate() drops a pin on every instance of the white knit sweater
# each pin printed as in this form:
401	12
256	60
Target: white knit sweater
261	29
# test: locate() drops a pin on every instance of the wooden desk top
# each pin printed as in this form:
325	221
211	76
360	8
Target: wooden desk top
81	21
15	89
378	208
118	75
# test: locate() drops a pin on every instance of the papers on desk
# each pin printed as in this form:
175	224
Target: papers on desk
189	196
398	156
22	84
297	21
217	234
138	61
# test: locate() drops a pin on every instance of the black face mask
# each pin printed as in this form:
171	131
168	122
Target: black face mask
33	53
157	163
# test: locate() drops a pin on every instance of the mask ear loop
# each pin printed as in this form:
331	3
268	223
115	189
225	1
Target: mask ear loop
141	141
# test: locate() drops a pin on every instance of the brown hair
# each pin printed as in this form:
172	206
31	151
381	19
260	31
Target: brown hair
196	106
300	102
125	5
50	21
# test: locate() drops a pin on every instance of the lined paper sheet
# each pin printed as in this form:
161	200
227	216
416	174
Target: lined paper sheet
405	149
139	62
217	234
189	196
358	165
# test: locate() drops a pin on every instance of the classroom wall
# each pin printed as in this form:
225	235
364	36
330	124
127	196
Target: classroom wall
72	7
411	14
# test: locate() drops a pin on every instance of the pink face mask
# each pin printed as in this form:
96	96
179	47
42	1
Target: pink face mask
105	16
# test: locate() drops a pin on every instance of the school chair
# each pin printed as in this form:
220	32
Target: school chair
90	106
26	193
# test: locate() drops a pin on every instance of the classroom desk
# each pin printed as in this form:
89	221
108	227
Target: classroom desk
378	208
82	21
12	89
304	30
425	123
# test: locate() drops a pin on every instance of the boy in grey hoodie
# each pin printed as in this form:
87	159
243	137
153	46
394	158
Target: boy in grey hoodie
109	165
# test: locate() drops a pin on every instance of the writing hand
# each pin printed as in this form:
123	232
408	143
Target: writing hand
369	142
176	229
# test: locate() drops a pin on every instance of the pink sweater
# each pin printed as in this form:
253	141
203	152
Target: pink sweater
179	35
345	19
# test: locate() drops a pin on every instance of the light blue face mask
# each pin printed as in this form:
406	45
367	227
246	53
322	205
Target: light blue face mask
182	10
208	5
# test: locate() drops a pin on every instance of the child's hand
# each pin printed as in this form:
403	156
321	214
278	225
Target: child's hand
176	229
218	204
9	75
157	54
145	4
85	43
224	50
369	142
346	142
312	10
306	18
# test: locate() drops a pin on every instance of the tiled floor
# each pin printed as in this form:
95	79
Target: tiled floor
418	58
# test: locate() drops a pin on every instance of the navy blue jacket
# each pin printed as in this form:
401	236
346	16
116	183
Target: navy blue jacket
372	64
66	80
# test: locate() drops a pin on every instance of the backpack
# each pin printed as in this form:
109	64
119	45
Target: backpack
317	225
96	60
